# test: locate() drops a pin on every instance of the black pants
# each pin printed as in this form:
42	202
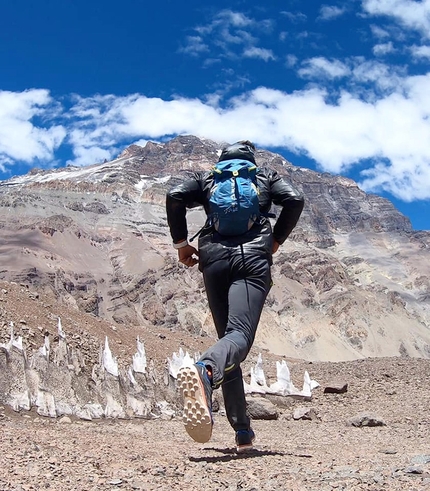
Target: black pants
236	289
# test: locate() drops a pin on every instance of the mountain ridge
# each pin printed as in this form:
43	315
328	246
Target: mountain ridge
351	281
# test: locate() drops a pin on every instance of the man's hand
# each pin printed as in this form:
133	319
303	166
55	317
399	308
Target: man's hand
275	246
185	255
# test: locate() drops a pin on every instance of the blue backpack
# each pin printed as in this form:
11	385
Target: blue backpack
233	202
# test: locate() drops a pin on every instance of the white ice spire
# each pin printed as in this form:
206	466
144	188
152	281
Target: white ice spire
177	361
139	358
283	385
45	349
14	342
109	362
61	333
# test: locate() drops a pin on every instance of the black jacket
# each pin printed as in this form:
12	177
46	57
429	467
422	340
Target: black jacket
258	240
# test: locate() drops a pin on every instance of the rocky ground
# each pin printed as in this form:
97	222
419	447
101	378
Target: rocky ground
326	452
333	449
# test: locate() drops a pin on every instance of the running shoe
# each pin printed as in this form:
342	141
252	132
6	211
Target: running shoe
196	388
244	440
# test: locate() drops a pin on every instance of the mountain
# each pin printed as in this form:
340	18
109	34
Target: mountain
352	281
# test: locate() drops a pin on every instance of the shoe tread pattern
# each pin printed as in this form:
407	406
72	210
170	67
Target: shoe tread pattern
196	414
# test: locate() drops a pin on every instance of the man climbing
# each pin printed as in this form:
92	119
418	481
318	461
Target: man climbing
234	254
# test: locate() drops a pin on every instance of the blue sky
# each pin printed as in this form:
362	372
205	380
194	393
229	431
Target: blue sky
340	87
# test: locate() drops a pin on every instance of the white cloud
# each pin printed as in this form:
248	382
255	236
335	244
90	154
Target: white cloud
88	155
21	139
291	60
399	178
410	14
383	49
385	133
321	67
194	46
295	17
95	127
141	143
230	34
393	128
236	19
263	54
382	77
328	12
421	52
378	32
224	20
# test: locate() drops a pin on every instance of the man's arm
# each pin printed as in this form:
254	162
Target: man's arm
292	201
186	195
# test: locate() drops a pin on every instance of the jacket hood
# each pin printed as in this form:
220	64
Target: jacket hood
238	150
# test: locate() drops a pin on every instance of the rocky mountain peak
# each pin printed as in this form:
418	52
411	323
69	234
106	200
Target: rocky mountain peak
350	282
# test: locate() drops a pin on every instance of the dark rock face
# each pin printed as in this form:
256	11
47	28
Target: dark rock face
353	280
336	204
333	203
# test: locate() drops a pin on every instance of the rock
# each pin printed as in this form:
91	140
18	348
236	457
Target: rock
336	388
413	470
306	413
115	482
420	459
138	485
261	408
97	207
365	419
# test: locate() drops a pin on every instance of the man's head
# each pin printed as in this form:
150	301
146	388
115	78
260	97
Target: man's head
243	149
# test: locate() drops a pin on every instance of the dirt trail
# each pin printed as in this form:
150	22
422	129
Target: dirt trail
321	454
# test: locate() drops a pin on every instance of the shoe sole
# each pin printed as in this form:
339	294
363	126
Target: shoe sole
245	448
196	415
